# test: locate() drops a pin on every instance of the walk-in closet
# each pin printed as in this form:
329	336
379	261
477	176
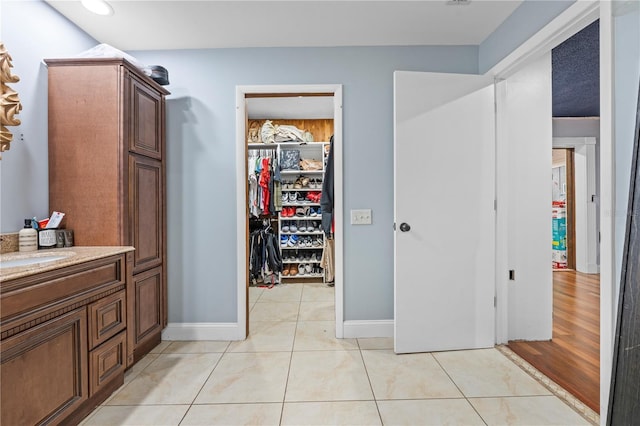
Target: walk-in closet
289	181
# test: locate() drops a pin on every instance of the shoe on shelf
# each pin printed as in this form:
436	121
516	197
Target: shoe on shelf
293	270
285	226
285	270
301	269
285	197
308	268
284	239
293	241
302	226
293	227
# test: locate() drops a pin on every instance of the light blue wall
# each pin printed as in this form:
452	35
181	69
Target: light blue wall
626	80
530	17
31	31
202	167
201	156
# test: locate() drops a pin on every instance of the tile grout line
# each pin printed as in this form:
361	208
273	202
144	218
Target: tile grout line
555	389
205	381
366	370
458	387
286	385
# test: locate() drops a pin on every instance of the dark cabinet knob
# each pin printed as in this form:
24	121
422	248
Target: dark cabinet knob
404	227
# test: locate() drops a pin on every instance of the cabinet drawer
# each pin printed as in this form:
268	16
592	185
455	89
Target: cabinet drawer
65	285
107	362
107	317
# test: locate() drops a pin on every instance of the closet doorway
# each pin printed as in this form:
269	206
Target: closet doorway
316	111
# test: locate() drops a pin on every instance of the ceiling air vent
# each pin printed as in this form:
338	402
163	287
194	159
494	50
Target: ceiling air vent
458	2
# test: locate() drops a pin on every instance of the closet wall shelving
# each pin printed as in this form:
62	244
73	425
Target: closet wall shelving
301	235
301	252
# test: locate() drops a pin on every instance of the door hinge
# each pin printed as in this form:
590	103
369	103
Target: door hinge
512	275
394	226
495	301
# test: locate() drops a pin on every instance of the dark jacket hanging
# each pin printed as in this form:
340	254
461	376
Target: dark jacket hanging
326	201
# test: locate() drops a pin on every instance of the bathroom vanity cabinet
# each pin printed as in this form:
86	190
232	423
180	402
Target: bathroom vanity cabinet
63	331
107	174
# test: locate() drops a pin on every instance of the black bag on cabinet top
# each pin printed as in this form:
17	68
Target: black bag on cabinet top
159	74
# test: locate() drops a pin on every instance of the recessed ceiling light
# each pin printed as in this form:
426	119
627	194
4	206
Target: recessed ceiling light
99	7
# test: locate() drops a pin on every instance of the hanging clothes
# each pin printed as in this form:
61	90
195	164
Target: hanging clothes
254	209
326	201
327	262
326	204
277	184
264	184
265	261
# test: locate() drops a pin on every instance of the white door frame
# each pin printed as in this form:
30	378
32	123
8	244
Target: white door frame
576	17
241	199
573	19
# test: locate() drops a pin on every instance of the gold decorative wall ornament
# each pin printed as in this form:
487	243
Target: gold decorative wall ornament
9	100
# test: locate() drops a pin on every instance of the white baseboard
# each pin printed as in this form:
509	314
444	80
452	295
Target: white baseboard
372	328
202	331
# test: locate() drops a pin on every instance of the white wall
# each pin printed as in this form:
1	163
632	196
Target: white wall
626	81
31	32
200	139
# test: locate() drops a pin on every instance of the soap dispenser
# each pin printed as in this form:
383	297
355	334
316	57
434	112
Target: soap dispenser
28	237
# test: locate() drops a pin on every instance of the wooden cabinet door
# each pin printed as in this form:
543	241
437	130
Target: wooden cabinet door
146	307
146	211
147	124
44	371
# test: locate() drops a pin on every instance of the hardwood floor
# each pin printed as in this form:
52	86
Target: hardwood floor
572	357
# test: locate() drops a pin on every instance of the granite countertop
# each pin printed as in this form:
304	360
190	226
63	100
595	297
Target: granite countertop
66	257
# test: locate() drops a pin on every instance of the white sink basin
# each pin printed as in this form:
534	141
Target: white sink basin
31	260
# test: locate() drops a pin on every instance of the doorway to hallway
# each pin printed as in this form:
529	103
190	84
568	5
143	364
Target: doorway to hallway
572	357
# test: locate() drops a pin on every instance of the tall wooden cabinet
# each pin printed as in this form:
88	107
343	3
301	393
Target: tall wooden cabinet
107	174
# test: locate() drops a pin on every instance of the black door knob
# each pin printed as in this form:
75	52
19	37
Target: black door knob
404	227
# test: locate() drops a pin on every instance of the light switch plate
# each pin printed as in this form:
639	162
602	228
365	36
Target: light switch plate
361	217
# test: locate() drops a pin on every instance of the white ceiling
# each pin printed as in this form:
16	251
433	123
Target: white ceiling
161	25
165	24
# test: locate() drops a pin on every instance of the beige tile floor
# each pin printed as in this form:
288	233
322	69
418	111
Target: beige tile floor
292	371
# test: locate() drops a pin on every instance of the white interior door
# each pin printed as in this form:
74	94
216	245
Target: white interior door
444	211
